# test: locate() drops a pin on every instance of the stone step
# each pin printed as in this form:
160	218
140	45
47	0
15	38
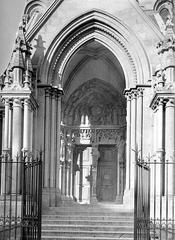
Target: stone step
81	212
86	228
87	217
96	222
86	222
83	238
85	233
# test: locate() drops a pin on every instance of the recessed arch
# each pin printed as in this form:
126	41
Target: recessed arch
105	29
84	61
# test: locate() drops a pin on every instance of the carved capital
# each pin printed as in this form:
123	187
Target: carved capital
140	92
6	101
47	92
133	94
17	102
26	101
170	102
128	96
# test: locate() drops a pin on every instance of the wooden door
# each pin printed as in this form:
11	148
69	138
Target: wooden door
107	174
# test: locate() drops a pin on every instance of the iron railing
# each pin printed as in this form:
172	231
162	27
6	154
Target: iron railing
142	201
20	197
155	200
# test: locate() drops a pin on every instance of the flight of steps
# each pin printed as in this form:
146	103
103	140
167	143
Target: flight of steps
86	222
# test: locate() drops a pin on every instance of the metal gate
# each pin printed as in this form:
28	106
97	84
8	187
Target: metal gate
20	197
154	200
142	201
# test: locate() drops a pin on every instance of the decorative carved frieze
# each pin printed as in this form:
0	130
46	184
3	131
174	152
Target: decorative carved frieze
93	135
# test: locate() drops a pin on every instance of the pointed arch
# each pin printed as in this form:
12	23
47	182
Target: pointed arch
107	30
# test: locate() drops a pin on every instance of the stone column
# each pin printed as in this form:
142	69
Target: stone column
140	122
66	172
170	141
62	176
69	178
31	130
6	124
17	128
81	176
160	129
95	156
70	173
160	146
1	131
47	139
155	130
10	127
128	141
53	142
26	128
58	140
16	141
133	136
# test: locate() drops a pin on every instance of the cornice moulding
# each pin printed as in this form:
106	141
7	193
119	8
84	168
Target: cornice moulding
165	94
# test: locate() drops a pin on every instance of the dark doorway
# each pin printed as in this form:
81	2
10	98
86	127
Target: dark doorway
107	173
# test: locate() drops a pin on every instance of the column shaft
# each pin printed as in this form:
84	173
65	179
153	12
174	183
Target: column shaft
47	140
128	142
58	140
53	142
140	122
133	137
31	131
170	141
16	143
6	124
26	127
17	128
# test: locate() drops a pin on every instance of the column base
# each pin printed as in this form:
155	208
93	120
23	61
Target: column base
119	199
128	198
67	200
93	199
51	197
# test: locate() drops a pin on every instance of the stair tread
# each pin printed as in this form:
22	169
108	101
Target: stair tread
73	225
102	221
87	223
83	231
85	238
